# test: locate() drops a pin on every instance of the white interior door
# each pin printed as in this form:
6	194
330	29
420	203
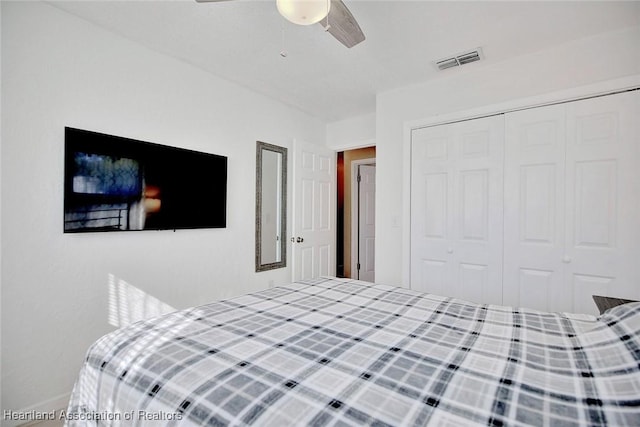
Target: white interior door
431	209
314	213
534	209
365	266
456	209
572	203
602	238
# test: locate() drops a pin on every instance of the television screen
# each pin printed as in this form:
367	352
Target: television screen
120	184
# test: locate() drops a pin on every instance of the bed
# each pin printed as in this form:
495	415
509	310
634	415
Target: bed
343	352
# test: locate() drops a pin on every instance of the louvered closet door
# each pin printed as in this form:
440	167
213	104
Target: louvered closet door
572	204
456	209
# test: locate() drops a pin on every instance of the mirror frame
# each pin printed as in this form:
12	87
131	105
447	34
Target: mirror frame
260	148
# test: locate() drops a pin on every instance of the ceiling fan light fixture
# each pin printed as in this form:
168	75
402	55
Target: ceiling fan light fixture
304	12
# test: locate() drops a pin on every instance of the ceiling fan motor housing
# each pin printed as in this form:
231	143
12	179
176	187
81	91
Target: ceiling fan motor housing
304	12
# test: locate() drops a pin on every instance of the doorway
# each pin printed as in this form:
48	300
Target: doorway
355	224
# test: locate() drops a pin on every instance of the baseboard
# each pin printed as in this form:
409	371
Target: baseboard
45	407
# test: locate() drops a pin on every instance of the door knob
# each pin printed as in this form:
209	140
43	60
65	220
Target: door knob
299	240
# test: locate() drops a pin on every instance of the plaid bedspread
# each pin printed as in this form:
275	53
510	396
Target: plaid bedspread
342	352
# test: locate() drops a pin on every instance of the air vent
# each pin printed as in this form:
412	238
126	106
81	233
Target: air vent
447	63
460	59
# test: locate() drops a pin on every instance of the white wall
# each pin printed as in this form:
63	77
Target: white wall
57	71
582	62
355	132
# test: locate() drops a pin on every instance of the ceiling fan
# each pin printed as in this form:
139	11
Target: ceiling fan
333	15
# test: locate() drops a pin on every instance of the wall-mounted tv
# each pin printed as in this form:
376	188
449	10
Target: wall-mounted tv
113	183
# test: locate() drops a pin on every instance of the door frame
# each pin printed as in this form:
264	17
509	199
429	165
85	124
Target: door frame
355	218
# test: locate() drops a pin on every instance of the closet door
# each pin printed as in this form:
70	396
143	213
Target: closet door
456	205
602	239
572	204
432	187
534	223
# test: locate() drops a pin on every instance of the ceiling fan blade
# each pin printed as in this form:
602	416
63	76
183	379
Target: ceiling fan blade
342	25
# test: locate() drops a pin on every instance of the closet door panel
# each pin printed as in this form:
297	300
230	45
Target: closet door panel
431	275
431	209
534	212
478	209
601	239
456	210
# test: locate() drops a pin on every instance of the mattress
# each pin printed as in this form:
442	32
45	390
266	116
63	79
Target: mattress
343	352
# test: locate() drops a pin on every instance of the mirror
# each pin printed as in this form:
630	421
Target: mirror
271	206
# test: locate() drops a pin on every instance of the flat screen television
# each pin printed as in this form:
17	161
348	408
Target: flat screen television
113	183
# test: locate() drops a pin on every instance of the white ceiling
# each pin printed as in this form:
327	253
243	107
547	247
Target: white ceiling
241	41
